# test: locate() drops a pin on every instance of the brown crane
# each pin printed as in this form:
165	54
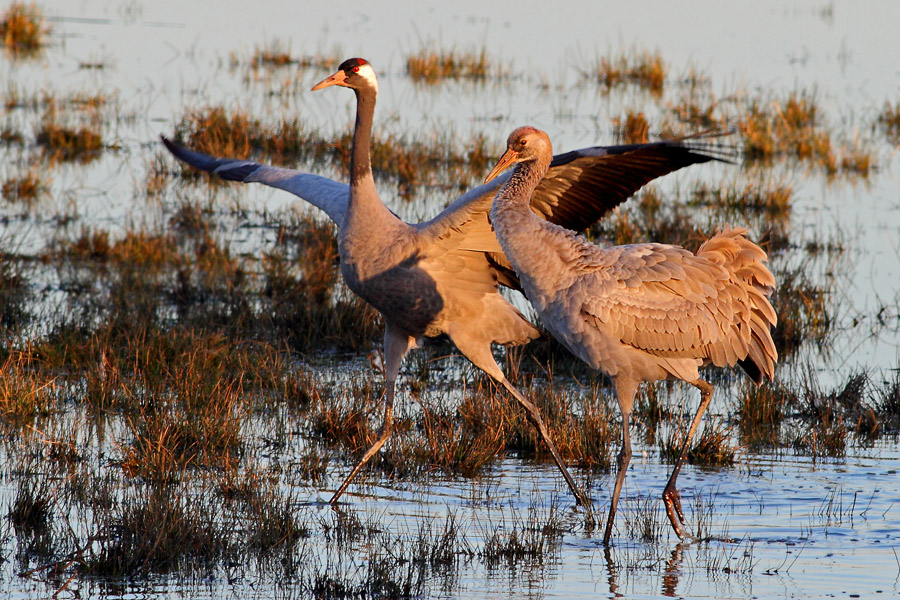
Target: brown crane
642	312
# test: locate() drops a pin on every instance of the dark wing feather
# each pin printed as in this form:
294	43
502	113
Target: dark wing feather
582	186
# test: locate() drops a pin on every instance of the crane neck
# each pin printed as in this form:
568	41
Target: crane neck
360	158
517	190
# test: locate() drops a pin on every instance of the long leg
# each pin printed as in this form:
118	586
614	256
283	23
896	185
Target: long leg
479	352
625	390
396	345
671	497
534	415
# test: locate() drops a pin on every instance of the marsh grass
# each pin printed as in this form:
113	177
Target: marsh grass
26	189
634	129
271	527
824	430
434	66
644	520
761	413
160	530
32	514
712	445
461	440
27	391
531	539
15	296
394	564
805	310
433	161
651	411
640	68
889	121
276	54
765	196
887	405
236	134
23	29
61	142
697	106
794	127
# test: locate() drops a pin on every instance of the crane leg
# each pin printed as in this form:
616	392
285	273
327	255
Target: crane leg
671	497
479	352
626	388
622	461
396	345
534	416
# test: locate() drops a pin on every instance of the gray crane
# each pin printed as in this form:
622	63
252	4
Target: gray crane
641	312
442	276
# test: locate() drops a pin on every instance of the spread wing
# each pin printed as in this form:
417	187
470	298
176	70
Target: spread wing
580	187
329	195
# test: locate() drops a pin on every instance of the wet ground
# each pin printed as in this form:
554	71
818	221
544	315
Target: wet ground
776	524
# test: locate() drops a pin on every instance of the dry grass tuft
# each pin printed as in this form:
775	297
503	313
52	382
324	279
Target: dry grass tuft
761	412
160	530
430	66
23	29
27	390
276	54
643	69
15	295
67	143
794	128
769	198
804	310
889	121
634	130
711	446
27	188
215	131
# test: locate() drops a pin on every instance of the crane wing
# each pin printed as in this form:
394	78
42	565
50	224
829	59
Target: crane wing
580	187
329	195
666	301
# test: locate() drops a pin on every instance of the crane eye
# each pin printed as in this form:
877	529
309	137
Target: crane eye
356	69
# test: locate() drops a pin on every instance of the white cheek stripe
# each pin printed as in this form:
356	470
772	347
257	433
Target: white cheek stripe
368	73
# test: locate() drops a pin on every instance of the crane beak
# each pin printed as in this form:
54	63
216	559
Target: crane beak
509	157
337	79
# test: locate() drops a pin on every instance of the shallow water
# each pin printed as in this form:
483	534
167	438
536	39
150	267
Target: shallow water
781	525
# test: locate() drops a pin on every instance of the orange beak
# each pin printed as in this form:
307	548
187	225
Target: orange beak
337	79
509	157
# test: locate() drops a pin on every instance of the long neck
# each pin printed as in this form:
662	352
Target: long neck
364	208
516	192
360	159
367	222
537	249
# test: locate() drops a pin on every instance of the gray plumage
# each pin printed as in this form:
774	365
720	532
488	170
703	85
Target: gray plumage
641	312
442	276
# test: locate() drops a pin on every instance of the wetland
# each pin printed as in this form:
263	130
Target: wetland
185	379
